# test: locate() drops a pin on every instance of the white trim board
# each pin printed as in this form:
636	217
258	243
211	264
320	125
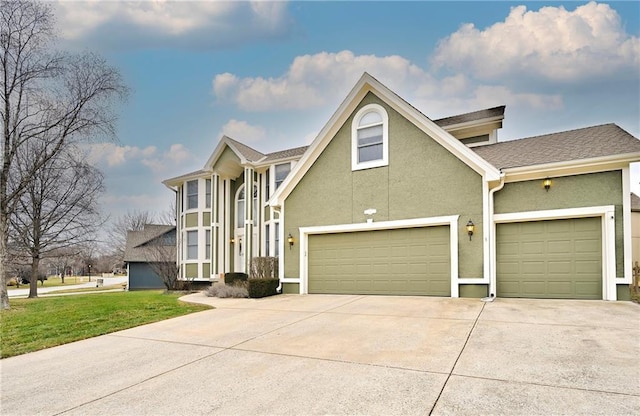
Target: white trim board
451	221
606	212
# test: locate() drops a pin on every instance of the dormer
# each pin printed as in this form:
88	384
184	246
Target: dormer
477	128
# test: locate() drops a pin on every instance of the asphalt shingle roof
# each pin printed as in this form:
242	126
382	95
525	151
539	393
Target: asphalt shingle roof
585	143
284	154
136	249
467	117
249	153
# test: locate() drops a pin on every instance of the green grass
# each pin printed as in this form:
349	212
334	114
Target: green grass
35	324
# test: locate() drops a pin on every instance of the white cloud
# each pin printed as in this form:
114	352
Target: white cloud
243	131
190	24
116	155
175	157
551	43
314	81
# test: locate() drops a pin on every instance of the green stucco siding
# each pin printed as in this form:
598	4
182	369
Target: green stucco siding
191	220
226	157
422	180
594	189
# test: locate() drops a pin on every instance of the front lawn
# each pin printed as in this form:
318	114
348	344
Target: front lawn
35	324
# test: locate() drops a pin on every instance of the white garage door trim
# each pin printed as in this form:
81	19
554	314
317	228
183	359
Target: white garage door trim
451	221
607	213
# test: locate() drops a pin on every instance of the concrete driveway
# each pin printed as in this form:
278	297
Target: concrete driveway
321	354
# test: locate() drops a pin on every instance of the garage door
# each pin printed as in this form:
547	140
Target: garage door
550	259
412	261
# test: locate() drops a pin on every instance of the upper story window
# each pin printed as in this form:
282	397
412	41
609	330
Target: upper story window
370	138
192	194
281	172
207	191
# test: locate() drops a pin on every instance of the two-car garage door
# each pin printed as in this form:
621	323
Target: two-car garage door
411	261
550	259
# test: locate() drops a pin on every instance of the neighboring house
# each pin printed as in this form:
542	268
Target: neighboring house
635	228
384	200
153	244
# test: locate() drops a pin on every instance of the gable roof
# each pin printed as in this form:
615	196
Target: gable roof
585	143
635	202
137	250
245	152
367	84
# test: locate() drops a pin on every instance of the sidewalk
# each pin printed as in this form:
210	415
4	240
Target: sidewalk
107	281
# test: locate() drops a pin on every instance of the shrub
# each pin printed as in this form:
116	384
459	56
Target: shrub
260	288
264	267
12	282
222	290
231	278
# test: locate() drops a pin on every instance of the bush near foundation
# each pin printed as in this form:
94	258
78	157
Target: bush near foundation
260	288
231	278
221	290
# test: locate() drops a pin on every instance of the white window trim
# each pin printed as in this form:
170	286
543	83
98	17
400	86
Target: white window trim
606	212
451	221
385	138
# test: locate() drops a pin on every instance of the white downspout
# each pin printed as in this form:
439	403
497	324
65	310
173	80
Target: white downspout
492	242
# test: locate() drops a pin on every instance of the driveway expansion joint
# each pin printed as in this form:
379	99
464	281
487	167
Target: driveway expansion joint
466	341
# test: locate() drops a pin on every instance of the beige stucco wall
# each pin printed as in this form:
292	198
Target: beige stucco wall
422	180
594	189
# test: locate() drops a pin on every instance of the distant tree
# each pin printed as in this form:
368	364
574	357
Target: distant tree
48	100
57	210
133	220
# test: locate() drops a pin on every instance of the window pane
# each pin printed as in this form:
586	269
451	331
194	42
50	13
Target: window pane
276	249
255	205
370	118
370	135
192	245
368	153
192	194
207	255
281	173
208	193
240	214
267	239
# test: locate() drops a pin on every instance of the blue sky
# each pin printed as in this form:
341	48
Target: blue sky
270	74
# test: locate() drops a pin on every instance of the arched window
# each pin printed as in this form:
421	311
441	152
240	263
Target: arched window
370	138
240	206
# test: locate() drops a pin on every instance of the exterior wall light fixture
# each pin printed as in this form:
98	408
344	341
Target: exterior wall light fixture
547	184
470	228
232	240
290	240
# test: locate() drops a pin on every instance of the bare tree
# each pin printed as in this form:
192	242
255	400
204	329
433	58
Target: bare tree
57	209
163	263
47	98
131	221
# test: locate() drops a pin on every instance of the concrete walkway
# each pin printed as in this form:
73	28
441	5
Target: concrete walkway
321	354
50	290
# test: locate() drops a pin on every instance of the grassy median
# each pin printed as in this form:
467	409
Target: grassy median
34	324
